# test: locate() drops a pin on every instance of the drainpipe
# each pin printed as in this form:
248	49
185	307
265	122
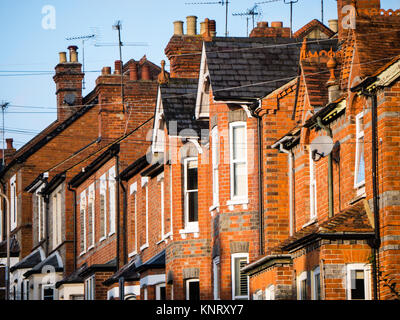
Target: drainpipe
290	173
260	179
46	199
330	170
74	203
124	223
118	207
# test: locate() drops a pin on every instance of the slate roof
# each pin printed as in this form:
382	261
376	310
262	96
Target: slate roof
14	248
179	103
74	277
236	64
128	272
52	261
156	262
29	261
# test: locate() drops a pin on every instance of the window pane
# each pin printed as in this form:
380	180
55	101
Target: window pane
48	294
361	162
317	287
192	176
162	293
194	290
241	281
240	179
192	206
303	288
239	143
357	285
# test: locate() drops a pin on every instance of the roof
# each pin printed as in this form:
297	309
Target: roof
94	166
156	262
250	68
135	167
179	102
54	183
30	260
352	223
52	262
105	267
377	42
74	277
309	27
128	272
44	137
14	248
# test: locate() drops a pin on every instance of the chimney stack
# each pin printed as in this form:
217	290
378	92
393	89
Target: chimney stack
117	66
275	31
178	28
191	23
213	28
106	71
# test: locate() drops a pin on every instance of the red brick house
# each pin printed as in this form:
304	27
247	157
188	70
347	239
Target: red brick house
338	235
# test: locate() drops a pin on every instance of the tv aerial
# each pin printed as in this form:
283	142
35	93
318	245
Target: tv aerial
251	13
223	3
321	147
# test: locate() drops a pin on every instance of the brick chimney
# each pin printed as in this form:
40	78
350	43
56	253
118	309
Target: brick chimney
184	50
359	5
68	79
275	31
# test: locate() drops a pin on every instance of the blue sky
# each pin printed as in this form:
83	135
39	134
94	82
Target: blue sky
27	46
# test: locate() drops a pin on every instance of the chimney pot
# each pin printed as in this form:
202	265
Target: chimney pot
117	66
202	27
262	24
73	54
133	71
178	28
106	71
145	72
9	142
333	25
212	27
191	22
63	57
277	24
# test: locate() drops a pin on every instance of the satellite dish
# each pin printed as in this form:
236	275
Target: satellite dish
70	99
321	146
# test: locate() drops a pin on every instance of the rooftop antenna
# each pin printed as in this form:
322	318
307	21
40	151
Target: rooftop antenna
4	106
83	38
291	2
253	12
118	26
322	11
223	3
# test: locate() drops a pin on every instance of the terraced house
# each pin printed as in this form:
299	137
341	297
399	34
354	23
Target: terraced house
260	167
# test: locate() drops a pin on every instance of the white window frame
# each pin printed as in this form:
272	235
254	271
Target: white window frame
215	165
313	189
235	256
145	185
90	284
270	292
187	282
112	200
367	279
40	213
83	206
237	199
57	217
46	286
133	192
158	290
216	278
145	294
190	226
314	273
303	277
359	136
92	201
103	192
13	202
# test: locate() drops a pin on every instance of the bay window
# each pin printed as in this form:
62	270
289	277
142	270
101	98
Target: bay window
191	193
215	162
359	172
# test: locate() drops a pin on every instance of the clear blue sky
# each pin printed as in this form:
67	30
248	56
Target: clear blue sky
27	46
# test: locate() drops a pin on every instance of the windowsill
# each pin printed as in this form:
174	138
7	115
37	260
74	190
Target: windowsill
111	233
134	253
234	202
189	230
82	253
102	239
214	207
309	223
90	248
145	246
